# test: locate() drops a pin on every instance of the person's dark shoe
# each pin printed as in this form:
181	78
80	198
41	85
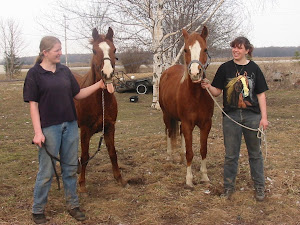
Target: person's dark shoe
39	218
77	214
227	194
260	194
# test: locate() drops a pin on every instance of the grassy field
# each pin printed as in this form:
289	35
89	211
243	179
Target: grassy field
156	194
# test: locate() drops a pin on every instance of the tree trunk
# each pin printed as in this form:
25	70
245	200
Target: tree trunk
157	49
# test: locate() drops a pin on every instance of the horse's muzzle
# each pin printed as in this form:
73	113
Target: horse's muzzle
197	77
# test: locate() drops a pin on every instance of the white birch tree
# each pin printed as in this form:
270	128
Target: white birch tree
156	24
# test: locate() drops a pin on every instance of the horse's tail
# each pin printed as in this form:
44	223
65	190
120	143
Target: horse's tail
174	131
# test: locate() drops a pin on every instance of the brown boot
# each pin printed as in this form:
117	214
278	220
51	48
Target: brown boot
39	218
77	214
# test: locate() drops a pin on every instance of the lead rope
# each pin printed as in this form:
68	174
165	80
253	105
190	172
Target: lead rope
103	111
260	131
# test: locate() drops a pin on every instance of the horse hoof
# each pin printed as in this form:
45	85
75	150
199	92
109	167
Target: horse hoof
83	194
204	181
188	187
82	190
124	183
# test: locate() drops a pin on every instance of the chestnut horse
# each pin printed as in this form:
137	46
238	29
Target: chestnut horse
90	110
182	98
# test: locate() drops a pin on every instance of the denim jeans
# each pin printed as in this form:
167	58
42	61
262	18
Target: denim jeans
61	140
232	141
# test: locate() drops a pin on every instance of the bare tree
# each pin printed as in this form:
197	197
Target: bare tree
157	24
11	45
74	20
152	23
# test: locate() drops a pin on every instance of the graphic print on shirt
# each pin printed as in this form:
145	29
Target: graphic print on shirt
239	91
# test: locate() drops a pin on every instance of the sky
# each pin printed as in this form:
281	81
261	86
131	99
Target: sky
276	24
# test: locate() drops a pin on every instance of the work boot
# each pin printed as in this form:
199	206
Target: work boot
260	194
77	214
227	194
39	218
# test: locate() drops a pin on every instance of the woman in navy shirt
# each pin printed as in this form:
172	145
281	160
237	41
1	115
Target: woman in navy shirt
49	88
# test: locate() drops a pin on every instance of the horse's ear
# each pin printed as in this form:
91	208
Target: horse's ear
110	34
95	34
185	33
204	32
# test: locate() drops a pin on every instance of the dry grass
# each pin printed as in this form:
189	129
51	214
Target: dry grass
156	194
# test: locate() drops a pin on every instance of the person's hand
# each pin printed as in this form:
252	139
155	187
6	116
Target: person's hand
38	139
205	83
102	85
264	123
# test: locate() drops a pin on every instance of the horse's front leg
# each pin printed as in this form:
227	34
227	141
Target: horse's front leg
85	144
109	137
203	150
187	130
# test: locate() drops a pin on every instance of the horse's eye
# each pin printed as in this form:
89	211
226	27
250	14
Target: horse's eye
94	51
185	50
205	50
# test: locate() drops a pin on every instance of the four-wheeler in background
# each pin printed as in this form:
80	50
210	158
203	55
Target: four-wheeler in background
124	83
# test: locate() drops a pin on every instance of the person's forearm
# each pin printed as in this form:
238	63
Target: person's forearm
85	92
262	105
35	118
214	91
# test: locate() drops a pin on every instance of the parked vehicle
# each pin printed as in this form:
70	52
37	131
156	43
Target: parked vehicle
125	83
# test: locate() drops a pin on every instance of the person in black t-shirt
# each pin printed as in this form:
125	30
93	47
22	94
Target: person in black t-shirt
49	88
244	100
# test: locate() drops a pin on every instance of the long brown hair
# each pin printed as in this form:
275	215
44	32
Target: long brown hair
243	41
46	44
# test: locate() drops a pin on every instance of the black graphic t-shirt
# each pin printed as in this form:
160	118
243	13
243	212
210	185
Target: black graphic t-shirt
240	85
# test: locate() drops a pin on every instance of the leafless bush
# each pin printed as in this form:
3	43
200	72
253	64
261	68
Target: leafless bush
133	58
281	74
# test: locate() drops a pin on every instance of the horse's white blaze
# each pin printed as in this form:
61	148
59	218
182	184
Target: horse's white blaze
189	176
195	55
203	170
107	67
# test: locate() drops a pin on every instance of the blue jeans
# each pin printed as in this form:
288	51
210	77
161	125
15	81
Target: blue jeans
61	140
232	141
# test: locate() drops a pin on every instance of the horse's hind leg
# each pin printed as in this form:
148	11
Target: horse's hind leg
109	137
171	126
183	149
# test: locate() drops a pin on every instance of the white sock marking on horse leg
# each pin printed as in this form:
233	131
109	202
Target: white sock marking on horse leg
203	170
169	147
189	176
183	150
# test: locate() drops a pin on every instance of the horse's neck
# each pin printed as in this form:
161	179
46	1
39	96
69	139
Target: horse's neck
87	79
194	88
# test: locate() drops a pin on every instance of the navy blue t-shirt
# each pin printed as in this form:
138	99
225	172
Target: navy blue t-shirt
53	92
240	85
